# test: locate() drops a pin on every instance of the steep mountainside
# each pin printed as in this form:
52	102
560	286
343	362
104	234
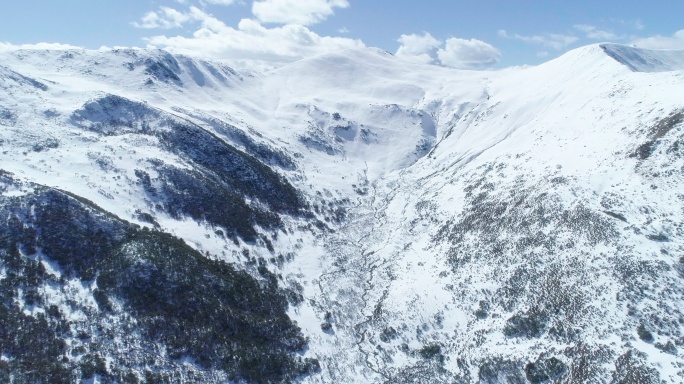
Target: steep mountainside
346	218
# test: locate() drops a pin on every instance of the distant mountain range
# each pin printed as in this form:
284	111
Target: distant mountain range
348	218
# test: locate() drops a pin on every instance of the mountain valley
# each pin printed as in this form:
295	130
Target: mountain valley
347	218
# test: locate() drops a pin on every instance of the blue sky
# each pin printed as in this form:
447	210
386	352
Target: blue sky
462	34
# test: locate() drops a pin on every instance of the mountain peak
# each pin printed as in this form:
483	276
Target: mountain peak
346	218
645	60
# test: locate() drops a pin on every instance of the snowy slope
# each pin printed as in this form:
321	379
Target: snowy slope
523	231
644	60
522	225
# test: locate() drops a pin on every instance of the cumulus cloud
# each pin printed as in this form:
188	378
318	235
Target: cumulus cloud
218	2
468	54
45	46
418	48
595	33
454	52
676	41
302	12
549	40
165	18
250	41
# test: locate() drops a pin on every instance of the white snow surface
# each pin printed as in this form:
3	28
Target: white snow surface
645	60
410	146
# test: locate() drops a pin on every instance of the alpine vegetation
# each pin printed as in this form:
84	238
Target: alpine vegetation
346	218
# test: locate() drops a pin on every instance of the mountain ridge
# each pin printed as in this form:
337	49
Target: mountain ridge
421	224
644	60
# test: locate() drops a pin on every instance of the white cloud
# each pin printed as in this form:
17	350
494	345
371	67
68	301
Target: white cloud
343	30
302	12
418	49
45	46
468	54
634	24
595	33
217	2
165	18
454	52
250	41
549	40
676	41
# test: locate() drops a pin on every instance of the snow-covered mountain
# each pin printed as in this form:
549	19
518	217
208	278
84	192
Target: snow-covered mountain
347	218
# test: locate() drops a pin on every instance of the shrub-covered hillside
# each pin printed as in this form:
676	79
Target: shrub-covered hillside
85	293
